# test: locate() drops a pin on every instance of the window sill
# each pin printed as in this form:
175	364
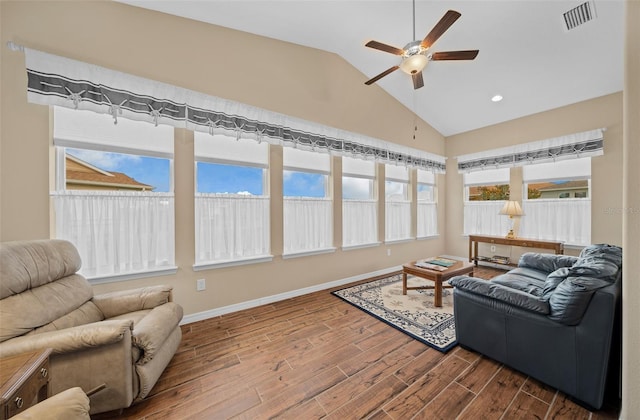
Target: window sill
113	278
360	246
308	253
421	238
399	241
231	263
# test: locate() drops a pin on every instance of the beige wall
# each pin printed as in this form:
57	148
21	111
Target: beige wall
631	219
286	78
606	170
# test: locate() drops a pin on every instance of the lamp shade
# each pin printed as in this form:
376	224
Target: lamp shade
512	208
414	64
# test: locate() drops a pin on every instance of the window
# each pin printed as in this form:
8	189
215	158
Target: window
397	203
308	218
485	194
558	204
231	202
359	204
114	192
427	211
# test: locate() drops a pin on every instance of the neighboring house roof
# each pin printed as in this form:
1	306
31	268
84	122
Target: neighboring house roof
80	172
569	185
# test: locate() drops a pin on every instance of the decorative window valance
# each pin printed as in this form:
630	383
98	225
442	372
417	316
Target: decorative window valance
54	80
579	145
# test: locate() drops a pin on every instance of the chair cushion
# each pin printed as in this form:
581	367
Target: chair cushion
85	314
28	264
41	305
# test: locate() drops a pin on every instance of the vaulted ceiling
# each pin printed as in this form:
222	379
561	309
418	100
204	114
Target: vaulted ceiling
527	55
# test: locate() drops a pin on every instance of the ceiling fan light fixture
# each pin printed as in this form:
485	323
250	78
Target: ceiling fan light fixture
414	63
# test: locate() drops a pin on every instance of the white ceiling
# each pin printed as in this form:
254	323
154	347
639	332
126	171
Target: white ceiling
526	55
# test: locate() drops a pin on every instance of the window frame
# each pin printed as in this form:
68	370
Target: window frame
431	183
63	140
207	158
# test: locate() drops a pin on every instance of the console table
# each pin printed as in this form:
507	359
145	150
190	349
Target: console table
24	381
556	246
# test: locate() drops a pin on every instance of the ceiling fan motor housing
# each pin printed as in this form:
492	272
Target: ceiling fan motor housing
414	59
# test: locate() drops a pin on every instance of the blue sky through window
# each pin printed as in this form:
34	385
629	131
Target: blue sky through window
304	184
232	179
147	170
211	178
357	188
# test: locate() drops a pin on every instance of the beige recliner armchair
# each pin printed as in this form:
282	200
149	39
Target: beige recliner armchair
123	340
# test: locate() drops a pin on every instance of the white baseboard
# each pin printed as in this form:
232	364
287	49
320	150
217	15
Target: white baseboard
199	316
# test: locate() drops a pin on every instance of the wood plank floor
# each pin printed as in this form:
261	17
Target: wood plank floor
316	356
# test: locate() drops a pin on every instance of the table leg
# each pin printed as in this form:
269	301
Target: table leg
404	283
475	253
438	294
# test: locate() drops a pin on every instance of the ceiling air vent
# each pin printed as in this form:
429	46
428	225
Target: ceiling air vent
579	15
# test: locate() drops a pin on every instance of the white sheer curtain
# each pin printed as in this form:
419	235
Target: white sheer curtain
359	222
482	218
308	224
117	232
397	220
231	227
427	219
563	219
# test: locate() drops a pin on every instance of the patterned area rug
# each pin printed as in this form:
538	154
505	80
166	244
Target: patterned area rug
413	313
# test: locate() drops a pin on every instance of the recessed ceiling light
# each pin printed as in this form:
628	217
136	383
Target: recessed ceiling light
496	98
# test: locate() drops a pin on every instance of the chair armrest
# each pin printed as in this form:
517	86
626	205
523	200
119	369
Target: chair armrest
71	404
499	292
122	302
546	263
151	331
69	339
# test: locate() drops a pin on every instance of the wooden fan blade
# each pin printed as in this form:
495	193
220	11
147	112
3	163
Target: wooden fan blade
381	75
447	20
455	55
417	80
384	47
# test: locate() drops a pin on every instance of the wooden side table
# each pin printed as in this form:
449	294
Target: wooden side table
24	381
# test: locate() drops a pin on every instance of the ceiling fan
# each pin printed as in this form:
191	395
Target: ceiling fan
415	55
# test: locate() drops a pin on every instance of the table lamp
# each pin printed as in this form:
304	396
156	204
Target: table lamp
511	208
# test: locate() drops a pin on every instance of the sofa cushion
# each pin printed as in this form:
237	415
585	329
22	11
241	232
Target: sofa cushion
28	264
598	266
572	296
500	292
600	260
553	280
547	263
524	279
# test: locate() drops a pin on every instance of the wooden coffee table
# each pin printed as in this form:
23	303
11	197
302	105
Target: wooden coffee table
457	269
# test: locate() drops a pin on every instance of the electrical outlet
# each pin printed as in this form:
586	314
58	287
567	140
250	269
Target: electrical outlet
493	248
388	252
201	285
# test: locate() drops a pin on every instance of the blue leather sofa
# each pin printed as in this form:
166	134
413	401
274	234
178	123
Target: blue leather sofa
555	318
